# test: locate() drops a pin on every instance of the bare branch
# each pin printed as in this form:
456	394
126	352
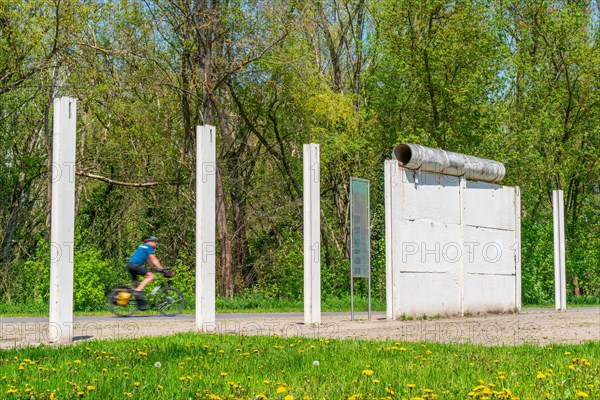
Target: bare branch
115	182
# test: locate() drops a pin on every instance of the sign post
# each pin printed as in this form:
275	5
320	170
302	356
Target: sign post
360	237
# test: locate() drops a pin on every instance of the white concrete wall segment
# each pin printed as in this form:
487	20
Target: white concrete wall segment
428	196
206	178
489	293
62	228
560	285
312	234
428	247
452	245
430	294
489	251
490	205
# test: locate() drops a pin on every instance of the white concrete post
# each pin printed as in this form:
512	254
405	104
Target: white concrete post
462	212
518	282
62	230
312	235
390	167
560	287
206	178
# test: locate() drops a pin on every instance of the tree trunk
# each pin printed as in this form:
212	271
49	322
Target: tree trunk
225	241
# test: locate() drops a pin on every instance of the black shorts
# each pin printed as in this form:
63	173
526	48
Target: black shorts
135	270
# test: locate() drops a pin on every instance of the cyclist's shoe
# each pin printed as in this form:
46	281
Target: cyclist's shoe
142	302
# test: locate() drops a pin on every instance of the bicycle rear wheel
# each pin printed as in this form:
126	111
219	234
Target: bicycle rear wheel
169	301
121	301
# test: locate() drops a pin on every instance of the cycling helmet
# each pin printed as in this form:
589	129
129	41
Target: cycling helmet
150	239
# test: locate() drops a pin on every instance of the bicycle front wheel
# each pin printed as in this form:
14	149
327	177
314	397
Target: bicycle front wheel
169	301
121	301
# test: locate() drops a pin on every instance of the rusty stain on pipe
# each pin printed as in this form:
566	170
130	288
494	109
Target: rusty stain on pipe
415	156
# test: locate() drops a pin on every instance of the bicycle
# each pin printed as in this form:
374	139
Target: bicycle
168	300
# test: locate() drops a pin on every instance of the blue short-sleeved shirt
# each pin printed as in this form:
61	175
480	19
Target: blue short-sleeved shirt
141	254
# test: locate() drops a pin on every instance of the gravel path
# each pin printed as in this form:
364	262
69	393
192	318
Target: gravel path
531	326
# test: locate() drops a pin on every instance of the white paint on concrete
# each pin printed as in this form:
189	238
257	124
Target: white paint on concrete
206	175
452	245
62	230
312	234
560	284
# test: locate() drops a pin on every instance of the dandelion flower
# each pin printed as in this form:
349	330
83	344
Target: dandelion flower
368	372
157	364
316	363
541	375
281	389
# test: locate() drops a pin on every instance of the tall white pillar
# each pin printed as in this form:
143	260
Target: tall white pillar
560	284
206	178
312	234
518	281
62	229
389	171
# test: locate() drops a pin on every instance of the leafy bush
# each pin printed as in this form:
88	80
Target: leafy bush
92	278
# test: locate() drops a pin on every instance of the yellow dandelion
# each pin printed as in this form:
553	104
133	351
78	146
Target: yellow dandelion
136	384
159	387
281	389
541	375
223	374
288	397
90	387
411	385
368	372
375	381
581	393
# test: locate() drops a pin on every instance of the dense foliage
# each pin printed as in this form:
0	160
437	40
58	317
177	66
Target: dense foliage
512	80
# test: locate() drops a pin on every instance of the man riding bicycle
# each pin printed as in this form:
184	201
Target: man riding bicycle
142	255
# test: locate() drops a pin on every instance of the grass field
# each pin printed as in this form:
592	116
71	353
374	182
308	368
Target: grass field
253	303
249	303
249	367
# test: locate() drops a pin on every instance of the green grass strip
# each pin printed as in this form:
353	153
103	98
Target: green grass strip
208	366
